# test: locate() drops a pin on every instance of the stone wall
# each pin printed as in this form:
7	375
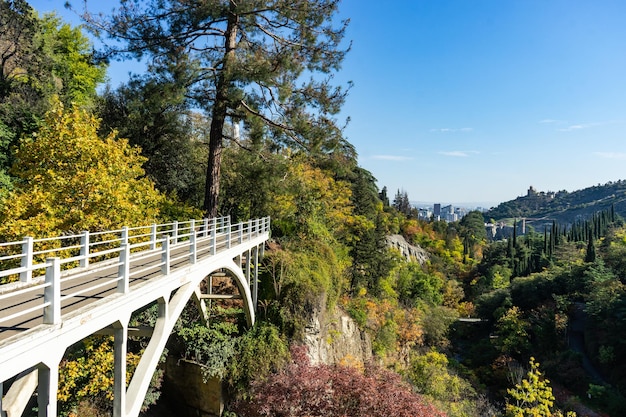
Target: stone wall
187	392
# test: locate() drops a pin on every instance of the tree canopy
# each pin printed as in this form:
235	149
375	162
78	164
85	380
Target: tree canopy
40	57
267	64
71	180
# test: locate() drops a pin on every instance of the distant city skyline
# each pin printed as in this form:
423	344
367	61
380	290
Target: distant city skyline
472	102
467	205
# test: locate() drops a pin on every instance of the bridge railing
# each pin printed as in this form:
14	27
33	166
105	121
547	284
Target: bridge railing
134	251
79	250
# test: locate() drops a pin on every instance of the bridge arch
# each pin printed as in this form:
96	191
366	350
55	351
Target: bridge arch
169	312
156	270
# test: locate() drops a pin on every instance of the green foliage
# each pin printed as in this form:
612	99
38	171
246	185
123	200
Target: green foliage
386	338
41	58
261	351
76	74
153	115
606	398
606	299
250	174
431	376
71	180
401	203
473	233
212	347
436	324
414	284
512	331
493	304
371	259
532	397
613	250
499	276
357	309
314	273
529	292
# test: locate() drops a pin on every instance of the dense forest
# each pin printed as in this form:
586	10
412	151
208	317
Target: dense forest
236	116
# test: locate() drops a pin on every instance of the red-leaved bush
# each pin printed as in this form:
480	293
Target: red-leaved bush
303	390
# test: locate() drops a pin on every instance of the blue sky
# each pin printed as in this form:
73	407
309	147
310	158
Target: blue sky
459	101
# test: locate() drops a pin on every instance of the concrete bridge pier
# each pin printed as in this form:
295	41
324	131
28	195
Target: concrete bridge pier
48	385
44	378
120	349
168	313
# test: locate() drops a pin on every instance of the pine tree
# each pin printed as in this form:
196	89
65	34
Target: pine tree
384	197
268	64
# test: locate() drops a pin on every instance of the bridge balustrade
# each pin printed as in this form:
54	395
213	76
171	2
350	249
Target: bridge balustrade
101	268
120	248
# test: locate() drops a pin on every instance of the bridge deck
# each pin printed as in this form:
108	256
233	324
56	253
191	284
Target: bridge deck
82	286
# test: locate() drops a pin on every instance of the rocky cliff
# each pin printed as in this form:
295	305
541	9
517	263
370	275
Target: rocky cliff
410	252
332	337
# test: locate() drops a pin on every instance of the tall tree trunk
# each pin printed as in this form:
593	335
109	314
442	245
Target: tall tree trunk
218	118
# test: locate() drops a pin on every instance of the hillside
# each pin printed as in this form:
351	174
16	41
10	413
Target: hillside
564	207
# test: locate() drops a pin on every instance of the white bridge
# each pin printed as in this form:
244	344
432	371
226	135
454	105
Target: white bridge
71	287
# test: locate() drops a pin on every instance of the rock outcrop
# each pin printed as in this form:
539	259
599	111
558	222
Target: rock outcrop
332	337
410	252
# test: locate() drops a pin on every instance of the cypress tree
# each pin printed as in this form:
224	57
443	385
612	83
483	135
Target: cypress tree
612	213
590	256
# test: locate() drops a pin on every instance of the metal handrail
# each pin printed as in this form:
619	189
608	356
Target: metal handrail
163	248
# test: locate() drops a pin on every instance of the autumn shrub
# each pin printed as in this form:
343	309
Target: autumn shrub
532	396
71	180
86	374
394	329
260	352
431	375
301	389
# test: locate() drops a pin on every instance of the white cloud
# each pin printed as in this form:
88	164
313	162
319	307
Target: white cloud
458	154
580	126
611	155
575	127
449	129
392	157
552	121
